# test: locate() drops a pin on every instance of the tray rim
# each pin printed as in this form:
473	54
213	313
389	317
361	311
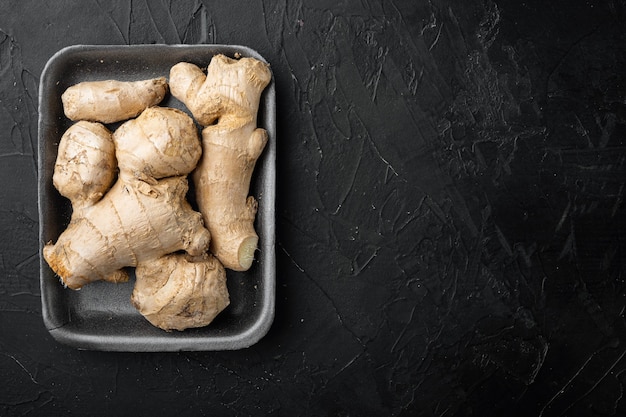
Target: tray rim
72	336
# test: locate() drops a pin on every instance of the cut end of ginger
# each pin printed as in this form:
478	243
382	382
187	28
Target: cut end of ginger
246	252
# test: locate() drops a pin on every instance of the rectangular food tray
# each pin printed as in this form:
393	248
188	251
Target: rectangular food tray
100	315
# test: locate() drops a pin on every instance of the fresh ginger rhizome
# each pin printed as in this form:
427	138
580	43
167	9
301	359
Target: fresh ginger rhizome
141	218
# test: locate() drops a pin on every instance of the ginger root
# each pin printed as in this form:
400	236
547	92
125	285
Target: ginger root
143	220
178	291
112	101
85	166
144	215
229	93
161	142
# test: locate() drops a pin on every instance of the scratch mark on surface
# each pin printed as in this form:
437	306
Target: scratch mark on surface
198	29
30	375
503	241
329	298
125	37
565	54
432	45
347	365
154	22
580	128
27	260
293	261
569	247
590	390
416	81
357	269
170	19
567	384
382	158
355	171
382	54
404	329
563	216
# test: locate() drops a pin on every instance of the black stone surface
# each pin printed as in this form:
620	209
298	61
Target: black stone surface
450	212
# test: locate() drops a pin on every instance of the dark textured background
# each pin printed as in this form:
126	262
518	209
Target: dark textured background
450	212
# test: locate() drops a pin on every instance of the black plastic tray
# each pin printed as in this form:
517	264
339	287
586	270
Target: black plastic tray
100	316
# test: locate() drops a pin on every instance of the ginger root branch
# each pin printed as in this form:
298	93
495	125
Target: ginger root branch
145	215
178	291
112	101
230	93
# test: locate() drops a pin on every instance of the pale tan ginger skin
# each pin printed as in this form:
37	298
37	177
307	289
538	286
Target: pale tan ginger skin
85	166
112	101
178	291
144	215
229	93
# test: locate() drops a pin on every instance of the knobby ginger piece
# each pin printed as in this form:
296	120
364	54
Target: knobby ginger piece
135	222
169	144
85	166
178	291
230	93
111	100
145	215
